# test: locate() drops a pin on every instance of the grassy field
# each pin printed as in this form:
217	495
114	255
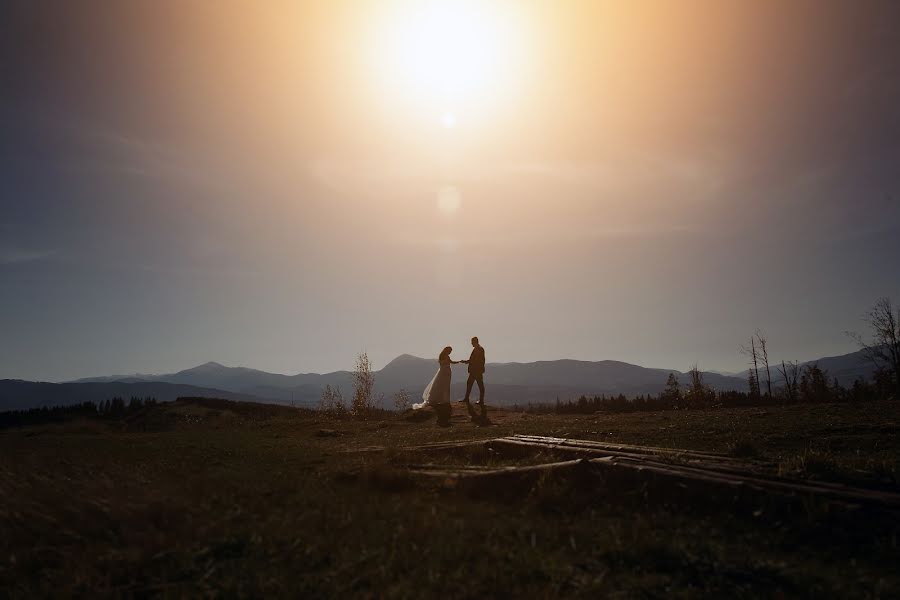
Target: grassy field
232	500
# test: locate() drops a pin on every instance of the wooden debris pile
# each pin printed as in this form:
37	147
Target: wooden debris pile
617	471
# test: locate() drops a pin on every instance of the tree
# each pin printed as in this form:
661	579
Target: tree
884	349
698	394
363	386
790	372
752	384
332	400
672	393
401	400
116	407
764	354
753	353
814	384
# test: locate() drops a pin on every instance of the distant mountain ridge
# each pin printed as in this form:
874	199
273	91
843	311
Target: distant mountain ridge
846	368
566	376
507	383
16	394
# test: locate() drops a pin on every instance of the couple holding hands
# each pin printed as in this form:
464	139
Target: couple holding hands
437	394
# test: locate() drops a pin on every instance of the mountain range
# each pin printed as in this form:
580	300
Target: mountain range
507	383
846	368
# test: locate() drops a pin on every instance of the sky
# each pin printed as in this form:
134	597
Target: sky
283	185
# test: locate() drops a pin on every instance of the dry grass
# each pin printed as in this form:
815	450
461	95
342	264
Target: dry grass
211	499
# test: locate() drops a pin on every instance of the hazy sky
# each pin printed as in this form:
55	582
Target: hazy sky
282	185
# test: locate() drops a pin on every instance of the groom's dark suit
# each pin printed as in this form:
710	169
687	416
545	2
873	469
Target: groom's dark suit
476	373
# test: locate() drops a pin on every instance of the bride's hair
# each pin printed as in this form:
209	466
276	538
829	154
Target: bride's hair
445	352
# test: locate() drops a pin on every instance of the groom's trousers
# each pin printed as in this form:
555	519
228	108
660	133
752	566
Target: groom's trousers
479	379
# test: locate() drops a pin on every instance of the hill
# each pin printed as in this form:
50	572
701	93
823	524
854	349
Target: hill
22	395
847	368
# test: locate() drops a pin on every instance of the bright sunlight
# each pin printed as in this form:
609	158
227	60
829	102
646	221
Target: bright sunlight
449	57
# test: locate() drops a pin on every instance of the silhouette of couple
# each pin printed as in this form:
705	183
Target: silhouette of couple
437	394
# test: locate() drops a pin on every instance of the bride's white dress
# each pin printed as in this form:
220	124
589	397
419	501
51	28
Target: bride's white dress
438	391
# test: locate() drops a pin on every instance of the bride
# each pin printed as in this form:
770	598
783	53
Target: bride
438	391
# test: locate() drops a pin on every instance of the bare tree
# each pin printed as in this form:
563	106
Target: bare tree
753	379
764	355
884	349
790	372
363	386
401	400
332	400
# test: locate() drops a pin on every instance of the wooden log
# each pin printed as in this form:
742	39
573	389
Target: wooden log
732	474
522	448
621	447
631	466
516	447
478	471
429	447
616	477
699	483
734	466
500	482
779	485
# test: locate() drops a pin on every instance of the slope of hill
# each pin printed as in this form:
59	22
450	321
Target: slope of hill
22	395
847	368
241	380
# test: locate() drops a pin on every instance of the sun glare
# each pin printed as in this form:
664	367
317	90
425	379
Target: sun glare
449	199
456	54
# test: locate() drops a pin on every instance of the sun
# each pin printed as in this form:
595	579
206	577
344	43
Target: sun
440	54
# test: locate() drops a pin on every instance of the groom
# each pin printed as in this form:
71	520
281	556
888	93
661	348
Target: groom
476	375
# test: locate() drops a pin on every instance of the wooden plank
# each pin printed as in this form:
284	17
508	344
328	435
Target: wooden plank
467	471
640	465
621	447
704	474
668	481
780	485
523	448
503	481
735	466
429	447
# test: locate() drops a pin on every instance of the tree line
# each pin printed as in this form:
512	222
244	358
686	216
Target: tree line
111	409
813	386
